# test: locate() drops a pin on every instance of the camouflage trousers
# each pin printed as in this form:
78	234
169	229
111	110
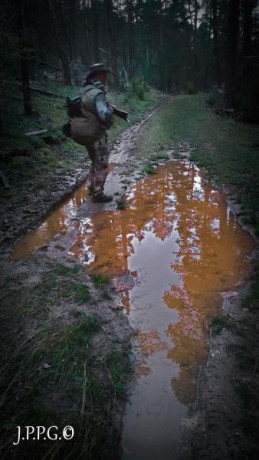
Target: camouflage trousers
99	155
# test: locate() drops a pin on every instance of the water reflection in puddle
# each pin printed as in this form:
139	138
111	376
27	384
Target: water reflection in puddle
172	251
181	248
57	222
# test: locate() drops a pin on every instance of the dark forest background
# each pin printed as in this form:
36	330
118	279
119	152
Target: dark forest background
173	45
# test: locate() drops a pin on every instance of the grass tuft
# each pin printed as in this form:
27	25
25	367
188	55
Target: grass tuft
121	205
159	156
149	169
218	323
100	280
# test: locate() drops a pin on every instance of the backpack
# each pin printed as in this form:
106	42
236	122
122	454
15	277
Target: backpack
74	107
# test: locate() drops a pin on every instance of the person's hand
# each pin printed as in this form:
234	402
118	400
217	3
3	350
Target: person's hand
109	105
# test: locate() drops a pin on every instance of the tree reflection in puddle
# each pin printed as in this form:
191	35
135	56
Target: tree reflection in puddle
182	247
171	253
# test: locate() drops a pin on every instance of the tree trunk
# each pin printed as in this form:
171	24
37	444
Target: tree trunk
26	87
216	40
59	42
74	27
95	39
27	104
86	52
65	33
248	6
112	42
129	6
162	61
196	67
231	51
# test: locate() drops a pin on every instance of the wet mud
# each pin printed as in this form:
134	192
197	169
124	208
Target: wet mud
173	254
35	201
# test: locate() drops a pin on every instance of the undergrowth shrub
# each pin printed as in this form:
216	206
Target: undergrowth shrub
248	94
215	99
138	87
190	88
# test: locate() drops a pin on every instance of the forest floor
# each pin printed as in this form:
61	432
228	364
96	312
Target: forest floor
66	342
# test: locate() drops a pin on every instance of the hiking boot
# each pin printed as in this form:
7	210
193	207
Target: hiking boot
102	198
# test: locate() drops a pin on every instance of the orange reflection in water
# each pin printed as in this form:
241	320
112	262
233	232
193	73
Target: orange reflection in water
150	342
180	246
113	232
206	253
56	222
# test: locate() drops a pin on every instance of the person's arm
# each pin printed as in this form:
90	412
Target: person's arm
104	111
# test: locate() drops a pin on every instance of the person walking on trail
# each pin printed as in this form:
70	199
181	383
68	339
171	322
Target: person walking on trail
90	129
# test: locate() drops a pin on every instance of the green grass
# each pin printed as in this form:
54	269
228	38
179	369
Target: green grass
48	114
149	169
72	149
103	283
118	369
53	372
100	280
60	360
24	158
159	156
60	284
63	270
79	293
136	107
121	205
228	150
218	323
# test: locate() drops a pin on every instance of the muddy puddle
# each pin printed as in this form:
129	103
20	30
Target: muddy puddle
173	254
60	220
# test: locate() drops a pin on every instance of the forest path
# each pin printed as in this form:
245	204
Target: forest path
24	212
125	168
174	253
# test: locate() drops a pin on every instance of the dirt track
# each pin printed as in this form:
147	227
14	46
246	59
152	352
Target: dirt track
27	285
25	211
212	429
